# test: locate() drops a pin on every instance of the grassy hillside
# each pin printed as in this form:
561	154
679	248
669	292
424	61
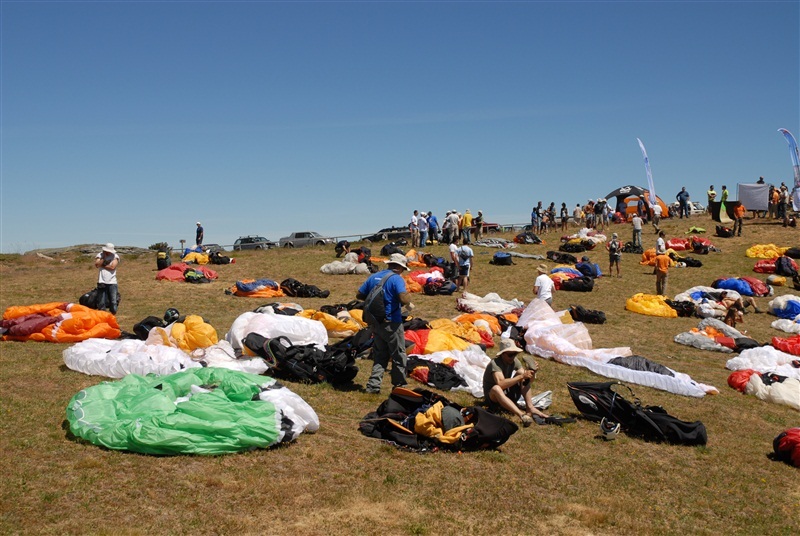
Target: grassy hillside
544	480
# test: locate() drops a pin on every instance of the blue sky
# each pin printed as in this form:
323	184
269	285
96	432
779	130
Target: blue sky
128	121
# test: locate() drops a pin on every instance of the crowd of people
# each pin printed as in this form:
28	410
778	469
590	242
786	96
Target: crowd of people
455	228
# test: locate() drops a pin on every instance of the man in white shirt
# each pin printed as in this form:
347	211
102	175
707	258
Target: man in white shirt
106	262
656	216
543	286
465	255
661	245
637	230
414	228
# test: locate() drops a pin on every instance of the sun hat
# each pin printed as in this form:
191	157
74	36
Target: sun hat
507	345
614	235
542	268
109	248
198	223
398	259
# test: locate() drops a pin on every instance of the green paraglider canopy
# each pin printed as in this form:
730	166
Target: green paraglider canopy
197	411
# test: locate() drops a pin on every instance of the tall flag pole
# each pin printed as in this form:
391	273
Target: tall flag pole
795	155
650	186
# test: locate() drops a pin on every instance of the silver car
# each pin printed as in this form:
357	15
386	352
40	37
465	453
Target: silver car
304	238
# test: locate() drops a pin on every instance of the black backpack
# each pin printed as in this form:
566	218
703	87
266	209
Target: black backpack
630	248
390	248
374	303
142	329
578	284
91	298
783	266
218	258
303	362
571	247
163	260
794	253
724	232
501	258
295	289
596	401
436	287
683	308
561	258
587	316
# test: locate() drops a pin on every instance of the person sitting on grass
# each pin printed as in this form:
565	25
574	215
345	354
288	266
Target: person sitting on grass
507	378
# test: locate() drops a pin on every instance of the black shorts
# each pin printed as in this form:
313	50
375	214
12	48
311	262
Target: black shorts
464	270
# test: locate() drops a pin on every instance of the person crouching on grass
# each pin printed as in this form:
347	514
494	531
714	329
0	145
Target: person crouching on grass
506	378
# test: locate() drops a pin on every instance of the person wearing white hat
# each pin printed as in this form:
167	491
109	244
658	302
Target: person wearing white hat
422	223
106	262
543	286
413	226
614	253
507	378
199	236
388	288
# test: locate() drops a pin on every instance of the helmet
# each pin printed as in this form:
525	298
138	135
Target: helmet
171	315
609	429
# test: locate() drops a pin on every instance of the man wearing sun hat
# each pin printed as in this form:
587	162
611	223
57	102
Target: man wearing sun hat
543	286
389	337
106	262
507	378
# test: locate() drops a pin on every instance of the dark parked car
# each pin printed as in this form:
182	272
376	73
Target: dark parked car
211	248
390	233
253	242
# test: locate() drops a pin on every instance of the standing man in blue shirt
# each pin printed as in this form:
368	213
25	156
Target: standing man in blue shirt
199	236
683	202
389	336
433	227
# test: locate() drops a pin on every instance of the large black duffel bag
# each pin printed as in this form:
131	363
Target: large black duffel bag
600	400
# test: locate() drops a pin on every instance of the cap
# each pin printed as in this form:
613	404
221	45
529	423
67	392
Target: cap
614	235
508	346
585	258
109	248
542	268
198	223
398	259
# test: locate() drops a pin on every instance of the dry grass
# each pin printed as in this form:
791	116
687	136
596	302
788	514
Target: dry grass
544	480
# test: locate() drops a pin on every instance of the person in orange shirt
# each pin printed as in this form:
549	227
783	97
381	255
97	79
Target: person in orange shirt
738	215
662	270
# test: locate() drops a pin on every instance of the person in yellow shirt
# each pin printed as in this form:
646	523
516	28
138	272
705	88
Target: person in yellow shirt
662	272
466	226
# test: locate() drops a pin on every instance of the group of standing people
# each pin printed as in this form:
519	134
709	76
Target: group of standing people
455	228
778	205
